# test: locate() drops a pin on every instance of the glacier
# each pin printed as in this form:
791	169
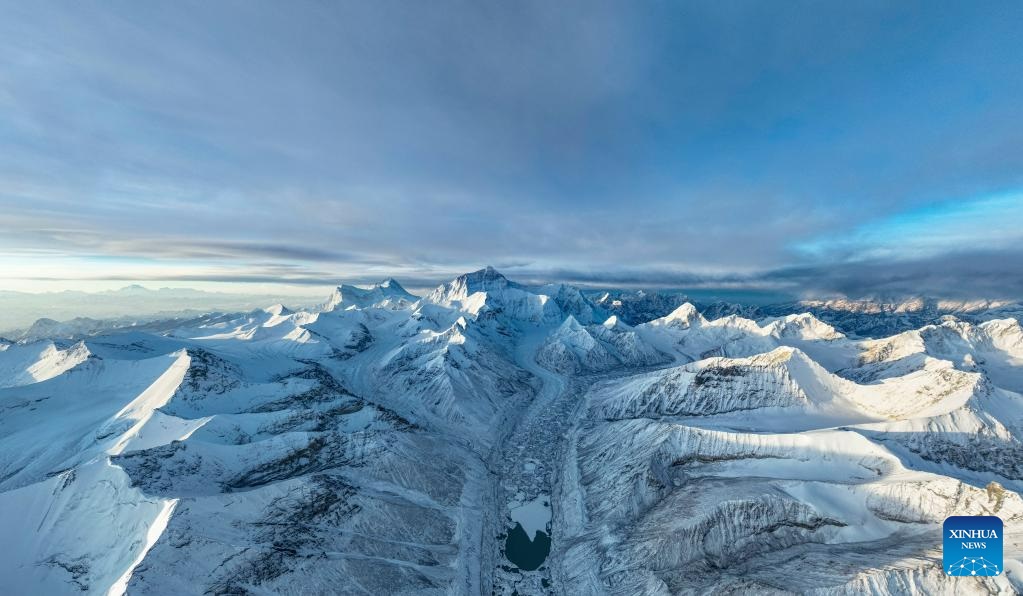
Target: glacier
388	443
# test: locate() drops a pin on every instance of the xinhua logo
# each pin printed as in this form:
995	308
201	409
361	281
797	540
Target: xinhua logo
972	545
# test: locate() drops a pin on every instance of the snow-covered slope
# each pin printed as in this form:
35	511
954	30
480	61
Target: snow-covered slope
638	306
687	334
456	375
386	294
488	294
22	364
573	348
673	508
671	481
497	438
881	318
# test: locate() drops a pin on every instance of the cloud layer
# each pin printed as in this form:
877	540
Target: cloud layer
820	147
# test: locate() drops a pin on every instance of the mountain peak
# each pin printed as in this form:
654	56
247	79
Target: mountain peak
686	311
684	316
386	294
277	309
486	275
804	326
570	324
391	284
487	279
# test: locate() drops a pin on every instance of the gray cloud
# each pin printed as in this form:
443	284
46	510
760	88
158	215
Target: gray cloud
697	141
959	275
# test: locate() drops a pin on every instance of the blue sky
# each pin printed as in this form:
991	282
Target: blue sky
819	147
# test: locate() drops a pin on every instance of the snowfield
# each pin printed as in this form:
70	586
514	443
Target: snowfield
386	443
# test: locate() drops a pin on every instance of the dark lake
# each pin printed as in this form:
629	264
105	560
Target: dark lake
526	554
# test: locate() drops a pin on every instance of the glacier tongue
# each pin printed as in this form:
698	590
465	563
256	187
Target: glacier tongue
391	444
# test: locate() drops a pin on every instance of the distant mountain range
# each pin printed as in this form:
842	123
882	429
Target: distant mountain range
79	314
864	317
128	305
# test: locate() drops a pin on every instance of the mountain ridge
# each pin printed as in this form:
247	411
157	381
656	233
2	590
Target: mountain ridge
394	444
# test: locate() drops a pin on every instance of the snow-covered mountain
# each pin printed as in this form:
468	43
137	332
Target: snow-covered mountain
639	306
486	294
88	312
386	294
862	317
880	318
497	438
573	348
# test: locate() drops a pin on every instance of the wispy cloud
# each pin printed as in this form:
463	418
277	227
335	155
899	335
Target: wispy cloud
702	142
